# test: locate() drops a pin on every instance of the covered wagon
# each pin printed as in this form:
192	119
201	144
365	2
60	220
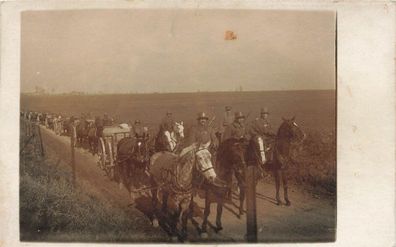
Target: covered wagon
107	146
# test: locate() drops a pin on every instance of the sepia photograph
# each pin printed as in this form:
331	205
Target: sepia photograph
178	125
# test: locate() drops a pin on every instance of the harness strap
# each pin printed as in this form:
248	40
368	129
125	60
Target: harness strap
207	169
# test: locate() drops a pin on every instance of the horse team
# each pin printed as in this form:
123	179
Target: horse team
181	169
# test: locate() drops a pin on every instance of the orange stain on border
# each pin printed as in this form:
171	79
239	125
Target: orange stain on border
230	35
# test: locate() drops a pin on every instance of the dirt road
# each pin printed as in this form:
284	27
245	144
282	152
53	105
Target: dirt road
309	218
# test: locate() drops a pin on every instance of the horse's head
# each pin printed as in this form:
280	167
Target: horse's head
178	128
141	151
204	164
290	130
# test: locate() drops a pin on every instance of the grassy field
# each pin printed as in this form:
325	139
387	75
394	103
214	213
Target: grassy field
314	110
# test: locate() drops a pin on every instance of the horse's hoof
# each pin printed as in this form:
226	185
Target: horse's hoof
288	203
204	235
155	223
174	239
218	229
278	202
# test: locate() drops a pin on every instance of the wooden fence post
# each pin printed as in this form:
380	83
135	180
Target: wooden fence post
40	140
251	217
73	161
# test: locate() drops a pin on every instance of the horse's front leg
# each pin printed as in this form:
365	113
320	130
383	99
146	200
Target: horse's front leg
185	214
204	231
219	213
165	196
241	185
277	186
154	203
241	200
175	218
285	187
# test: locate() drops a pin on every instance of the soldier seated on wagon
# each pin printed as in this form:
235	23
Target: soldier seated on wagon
139	131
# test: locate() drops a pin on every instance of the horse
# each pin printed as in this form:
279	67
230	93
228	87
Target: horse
50	122
92	138
133	155
170	140
230	159
289	134
172	174
82	131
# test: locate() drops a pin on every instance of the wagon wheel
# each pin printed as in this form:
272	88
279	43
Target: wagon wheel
110	166
101	154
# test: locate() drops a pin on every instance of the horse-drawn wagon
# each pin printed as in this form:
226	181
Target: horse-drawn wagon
107	146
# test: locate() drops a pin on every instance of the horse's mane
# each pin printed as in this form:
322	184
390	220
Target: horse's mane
283	131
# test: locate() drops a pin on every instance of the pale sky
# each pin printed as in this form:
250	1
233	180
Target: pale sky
177	50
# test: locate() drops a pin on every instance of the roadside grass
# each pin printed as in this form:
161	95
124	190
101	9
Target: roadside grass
316	162
52	210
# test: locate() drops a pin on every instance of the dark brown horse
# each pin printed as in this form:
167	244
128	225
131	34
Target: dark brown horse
92	138
82	131
289	134
133	155
231	160
235	154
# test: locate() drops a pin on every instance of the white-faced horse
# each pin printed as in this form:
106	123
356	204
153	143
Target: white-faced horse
172	175
169	140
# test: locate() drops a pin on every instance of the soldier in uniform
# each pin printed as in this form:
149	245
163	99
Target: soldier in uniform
107	121
203	133
167	123
237	129
137	130
261	127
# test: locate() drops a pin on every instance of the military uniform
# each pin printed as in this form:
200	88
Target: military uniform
261	127
138	130
203	133
236	130
167	123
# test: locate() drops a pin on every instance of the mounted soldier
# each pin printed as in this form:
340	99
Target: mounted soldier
237	129
203	133
261	127
167	123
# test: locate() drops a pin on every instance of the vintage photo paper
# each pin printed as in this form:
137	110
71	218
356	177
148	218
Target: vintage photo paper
198	123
